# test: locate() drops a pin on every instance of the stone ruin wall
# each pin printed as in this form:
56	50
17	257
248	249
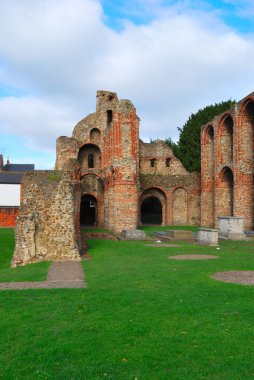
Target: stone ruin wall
48	225
227	165
177	189
122	176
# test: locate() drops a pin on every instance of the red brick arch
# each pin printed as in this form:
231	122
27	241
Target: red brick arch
225	139
83	157
206	133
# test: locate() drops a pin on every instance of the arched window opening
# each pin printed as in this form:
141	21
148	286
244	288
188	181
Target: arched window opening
226	140
90	160
109	118
210	133
228	176
168	162
153	162
228	180
89	157
225	192
151	211
88	211
228	123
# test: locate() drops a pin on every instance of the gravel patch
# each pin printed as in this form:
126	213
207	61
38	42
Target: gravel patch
67	274
193	257
159	245
244	277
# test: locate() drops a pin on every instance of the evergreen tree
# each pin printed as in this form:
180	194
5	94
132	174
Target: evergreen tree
188	147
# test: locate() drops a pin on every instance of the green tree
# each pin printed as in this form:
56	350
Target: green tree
188	147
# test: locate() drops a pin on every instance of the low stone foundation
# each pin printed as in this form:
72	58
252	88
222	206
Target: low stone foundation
232	227
133	235
208	236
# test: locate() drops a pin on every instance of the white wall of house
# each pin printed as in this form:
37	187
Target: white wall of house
9	195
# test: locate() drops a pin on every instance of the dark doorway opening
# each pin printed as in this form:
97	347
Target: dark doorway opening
151	211
88	211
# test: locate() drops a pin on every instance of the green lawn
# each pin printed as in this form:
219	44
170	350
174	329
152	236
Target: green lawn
150	229
32	272
141	317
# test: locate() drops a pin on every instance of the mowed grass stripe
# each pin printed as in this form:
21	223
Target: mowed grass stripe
142	316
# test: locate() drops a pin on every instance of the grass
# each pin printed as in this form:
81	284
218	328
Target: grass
151	229
31	272
142	317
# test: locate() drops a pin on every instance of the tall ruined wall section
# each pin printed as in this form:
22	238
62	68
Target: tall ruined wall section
48	225
227	165
162	175
121	159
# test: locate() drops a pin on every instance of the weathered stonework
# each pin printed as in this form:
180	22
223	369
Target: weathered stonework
227	165
208	236
47	226
106	177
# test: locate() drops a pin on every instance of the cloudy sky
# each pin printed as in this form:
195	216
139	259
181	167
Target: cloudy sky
170	58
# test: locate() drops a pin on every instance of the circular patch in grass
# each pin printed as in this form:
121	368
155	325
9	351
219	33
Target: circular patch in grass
193	257
162	245
244	277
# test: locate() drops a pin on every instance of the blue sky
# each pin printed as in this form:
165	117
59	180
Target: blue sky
170	58
233	13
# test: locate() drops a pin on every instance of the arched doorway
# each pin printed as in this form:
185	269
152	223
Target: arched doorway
151	211
88	211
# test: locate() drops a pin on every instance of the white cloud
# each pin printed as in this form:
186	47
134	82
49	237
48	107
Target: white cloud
60	52
40	121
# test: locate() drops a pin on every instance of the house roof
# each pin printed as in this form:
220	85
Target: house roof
19	167
10	177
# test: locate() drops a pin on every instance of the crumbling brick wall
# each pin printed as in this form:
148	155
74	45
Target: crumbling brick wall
8	216
227	165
